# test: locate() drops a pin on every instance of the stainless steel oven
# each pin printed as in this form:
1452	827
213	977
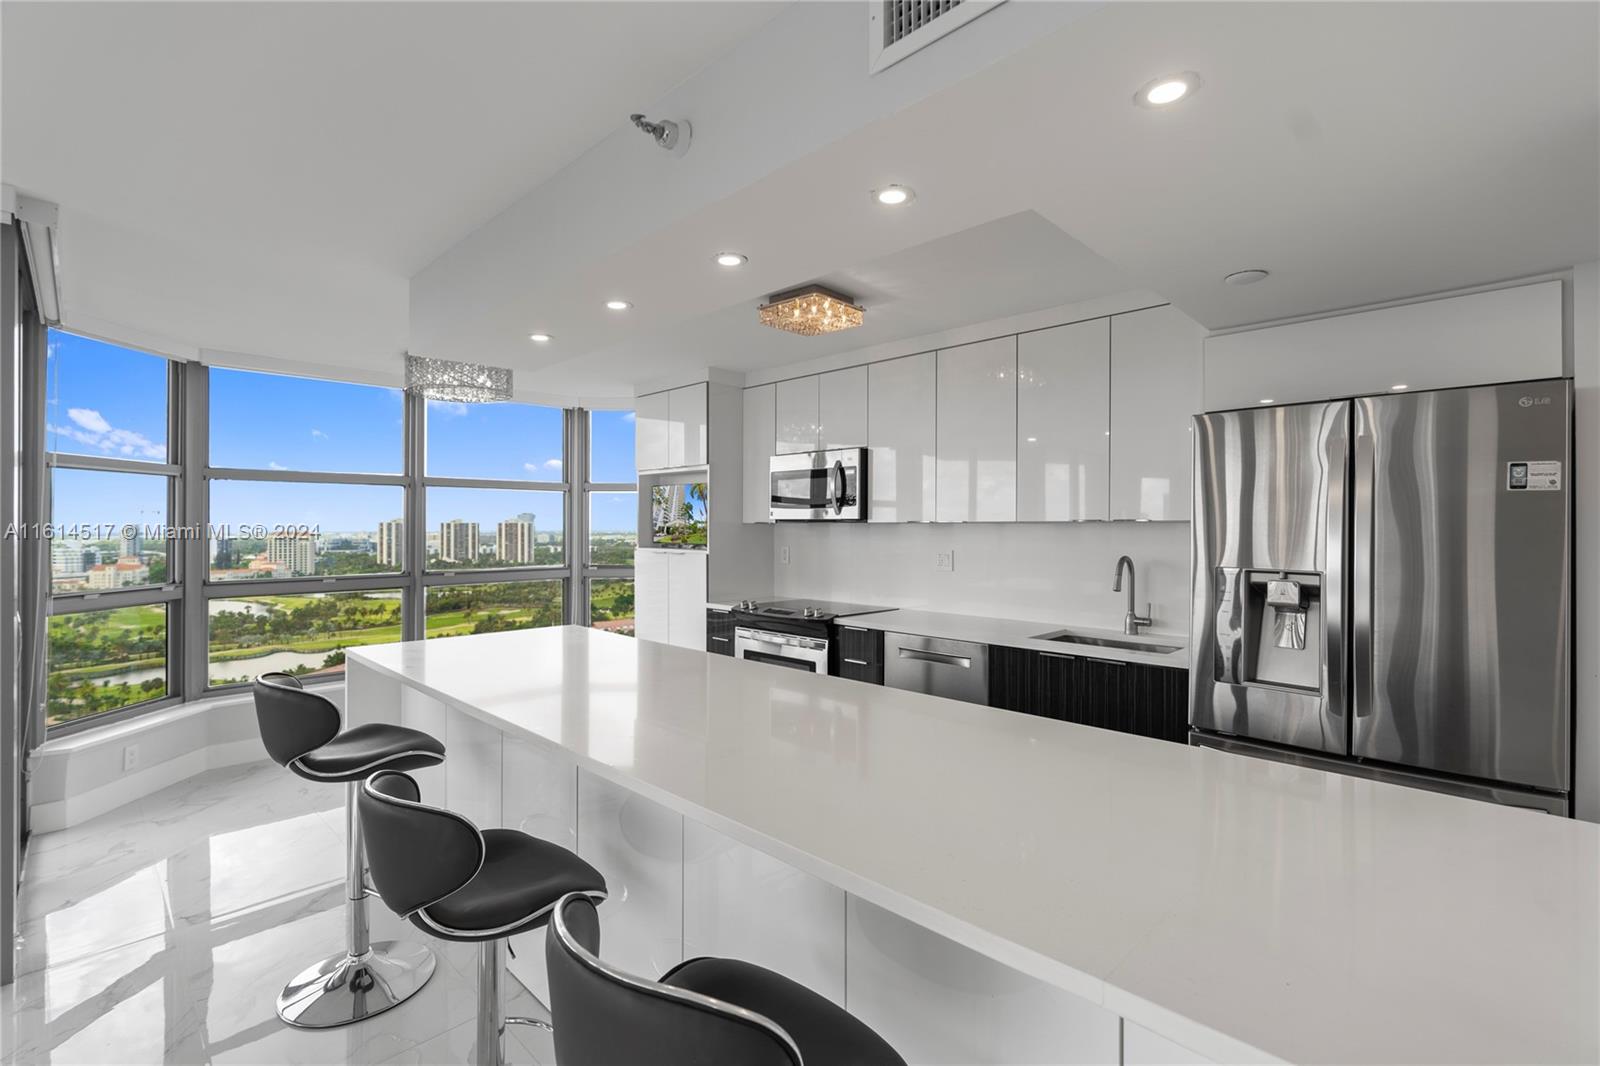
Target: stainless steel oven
827	486
792	650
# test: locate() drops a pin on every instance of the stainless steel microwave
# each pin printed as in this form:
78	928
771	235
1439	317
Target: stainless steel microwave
828	486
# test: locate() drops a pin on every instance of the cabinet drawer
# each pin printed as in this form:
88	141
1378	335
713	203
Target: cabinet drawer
1148	701
719	632
858	653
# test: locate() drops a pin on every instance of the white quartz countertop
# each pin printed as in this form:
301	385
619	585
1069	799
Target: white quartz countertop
1013	633
1242	908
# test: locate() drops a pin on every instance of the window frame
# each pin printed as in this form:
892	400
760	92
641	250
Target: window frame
169	592
188	590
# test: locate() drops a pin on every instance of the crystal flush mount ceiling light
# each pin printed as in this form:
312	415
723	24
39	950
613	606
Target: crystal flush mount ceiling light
441	379
811	311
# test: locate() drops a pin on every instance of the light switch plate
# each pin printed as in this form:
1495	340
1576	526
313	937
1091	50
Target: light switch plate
783	555
945	561
130	758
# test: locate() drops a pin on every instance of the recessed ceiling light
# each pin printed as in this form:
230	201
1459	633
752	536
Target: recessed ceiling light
539	338
894	195
1033	440
1398	388
1267	400
1169	89
731	259
618	305
1244	277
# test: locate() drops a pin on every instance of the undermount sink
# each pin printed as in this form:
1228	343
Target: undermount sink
1067	636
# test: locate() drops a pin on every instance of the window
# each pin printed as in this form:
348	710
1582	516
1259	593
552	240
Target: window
611	520
286	505
304	634
457	610
111	490
307	496
315	425
105	660
496	441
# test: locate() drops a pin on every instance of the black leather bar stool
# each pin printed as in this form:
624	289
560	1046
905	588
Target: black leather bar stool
459	883
702	1011
301	731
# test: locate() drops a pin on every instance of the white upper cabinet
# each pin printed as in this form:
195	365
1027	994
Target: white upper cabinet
760	436
1063	422
1155	391
842	408
652	448
686	420
976	432
798	415
900	420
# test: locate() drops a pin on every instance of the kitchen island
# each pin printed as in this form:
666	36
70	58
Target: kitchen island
997	887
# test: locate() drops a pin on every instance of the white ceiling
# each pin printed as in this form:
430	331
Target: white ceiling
259	175
1360	152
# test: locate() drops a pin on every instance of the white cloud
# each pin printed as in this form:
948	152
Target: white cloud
275	465
318	433
539	468
91	428
552	464
89	419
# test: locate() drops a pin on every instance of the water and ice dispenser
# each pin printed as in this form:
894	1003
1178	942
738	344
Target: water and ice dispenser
1269	629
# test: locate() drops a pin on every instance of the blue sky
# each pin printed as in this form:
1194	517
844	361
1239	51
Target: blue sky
105	400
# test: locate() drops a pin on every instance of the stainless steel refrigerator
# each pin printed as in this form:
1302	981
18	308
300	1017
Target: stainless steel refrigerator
1383	586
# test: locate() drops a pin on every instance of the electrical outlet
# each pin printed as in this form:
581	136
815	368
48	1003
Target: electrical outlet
130	758
945	561
783	555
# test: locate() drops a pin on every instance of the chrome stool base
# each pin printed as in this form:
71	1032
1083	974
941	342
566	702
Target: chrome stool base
343	988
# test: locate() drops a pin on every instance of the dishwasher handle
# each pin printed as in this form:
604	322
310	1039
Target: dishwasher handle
962	661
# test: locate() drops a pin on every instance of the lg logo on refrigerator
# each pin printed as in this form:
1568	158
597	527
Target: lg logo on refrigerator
1534	401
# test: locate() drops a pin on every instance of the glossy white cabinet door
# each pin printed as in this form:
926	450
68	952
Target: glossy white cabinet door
539	796
652	595
686	599
1063	422
472	770
741	903
900	419
842	408
1155	391
637	845
651	444
760	445
797	409
686	421
936	1001
976	432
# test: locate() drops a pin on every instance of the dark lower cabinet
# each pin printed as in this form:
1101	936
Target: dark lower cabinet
719	632
858	653
1150	701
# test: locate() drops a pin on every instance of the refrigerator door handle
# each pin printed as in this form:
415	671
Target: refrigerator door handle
1361	562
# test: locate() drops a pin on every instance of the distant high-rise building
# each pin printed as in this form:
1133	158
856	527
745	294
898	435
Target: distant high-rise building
296	552
68	557
513	539
391	543
133	546
227	555
458	541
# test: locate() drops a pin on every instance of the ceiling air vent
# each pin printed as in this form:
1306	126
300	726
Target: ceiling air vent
898	28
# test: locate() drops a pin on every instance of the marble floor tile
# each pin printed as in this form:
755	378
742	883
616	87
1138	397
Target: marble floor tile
163	931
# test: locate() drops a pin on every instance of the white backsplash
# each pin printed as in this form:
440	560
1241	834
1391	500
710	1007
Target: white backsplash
1056	573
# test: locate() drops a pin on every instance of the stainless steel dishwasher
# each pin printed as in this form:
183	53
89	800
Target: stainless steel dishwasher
953	668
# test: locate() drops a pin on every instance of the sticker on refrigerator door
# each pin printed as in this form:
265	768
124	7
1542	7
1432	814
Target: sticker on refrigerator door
1534	476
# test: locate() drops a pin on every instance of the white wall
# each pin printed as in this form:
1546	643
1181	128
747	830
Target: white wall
1055	573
